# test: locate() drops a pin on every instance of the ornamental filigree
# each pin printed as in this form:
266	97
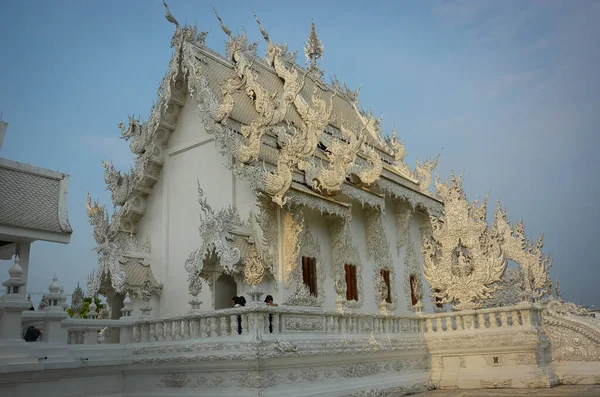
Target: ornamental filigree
403	216
516	247
309	247
378	249
344	251
254	268
292	226
423	171
462	258
413	285
214	233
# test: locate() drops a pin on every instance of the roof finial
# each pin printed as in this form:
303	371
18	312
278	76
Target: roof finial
225	28
169	16
313	48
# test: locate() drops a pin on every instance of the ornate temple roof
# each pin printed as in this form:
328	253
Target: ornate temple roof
33	202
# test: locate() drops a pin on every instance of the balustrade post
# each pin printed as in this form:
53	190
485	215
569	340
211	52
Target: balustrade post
493	320
223	326
481	320
429	325
275	323
438	324
526	317
503	319
233	322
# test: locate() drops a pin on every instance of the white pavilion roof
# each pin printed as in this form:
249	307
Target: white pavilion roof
33	203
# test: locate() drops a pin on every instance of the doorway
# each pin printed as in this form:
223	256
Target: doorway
225	289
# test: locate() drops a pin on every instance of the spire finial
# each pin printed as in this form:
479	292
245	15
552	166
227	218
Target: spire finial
313	48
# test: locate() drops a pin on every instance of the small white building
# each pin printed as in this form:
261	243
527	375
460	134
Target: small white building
33	206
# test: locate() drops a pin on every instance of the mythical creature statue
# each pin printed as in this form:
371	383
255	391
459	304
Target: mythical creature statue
367	175
341	155
516	247
298	147
119	185
214	231
423	171
99	219
399	153
137	134
463	259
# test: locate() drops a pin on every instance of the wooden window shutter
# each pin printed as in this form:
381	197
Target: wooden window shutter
313	276
354	283
306	271
348	282
385	274
413	297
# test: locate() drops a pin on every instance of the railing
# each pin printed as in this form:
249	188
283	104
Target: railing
270	320
265	320
81	331
524	315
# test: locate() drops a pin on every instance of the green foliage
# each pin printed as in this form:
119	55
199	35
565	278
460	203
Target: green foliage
87	301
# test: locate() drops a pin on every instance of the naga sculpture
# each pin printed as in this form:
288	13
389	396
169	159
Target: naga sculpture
399	153
119	185
136	133
341	155
214	232
423	171
109	251
368	174
462	258
516	247
299	146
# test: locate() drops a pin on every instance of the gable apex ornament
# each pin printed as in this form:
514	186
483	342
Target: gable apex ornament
313	50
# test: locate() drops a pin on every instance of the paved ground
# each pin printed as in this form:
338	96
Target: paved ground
559	391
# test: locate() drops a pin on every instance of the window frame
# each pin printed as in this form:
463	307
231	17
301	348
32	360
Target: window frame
309	274
385	274
351	282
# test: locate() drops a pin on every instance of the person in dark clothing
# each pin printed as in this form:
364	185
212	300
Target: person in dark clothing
269	302
32	308
32	334
242	301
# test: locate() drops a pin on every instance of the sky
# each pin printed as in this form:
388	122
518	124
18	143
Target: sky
509	89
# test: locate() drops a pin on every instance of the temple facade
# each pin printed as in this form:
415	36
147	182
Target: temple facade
253	177
298	193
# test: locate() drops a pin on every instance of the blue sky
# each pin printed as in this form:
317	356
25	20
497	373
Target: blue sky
510	89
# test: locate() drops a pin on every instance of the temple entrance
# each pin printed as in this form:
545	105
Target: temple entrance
225	289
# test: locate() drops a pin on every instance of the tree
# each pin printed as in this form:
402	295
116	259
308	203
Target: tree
85	308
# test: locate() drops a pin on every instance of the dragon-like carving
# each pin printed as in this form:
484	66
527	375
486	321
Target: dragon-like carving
298	146
399	153
99	219
423	171
110	252
463	259
516	247
137	134
215	234
368	174
341	155
119	184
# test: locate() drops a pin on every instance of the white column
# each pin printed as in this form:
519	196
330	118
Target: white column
13	349
22	250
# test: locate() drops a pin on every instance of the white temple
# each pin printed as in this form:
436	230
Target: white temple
254	177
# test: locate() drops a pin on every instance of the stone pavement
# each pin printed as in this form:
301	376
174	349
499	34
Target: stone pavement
559	391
